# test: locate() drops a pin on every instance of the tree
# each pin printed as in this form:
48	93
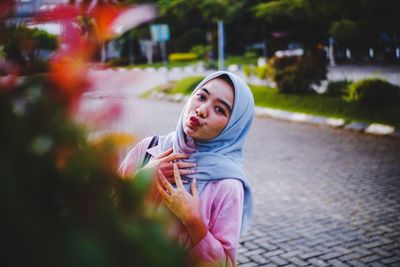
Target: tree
359	22
200	15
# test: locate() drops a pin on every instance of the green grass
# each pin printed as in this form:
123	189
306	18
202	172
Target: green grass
240	60
186	85
325	106
319	105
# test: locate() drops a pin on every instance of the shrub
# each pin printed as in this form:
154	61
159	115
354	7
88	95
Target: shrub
337	88
345	31
248	70
189	38
297	74
182	56
200	50
250	54
44	40
373	92
66	205
2	54
262	72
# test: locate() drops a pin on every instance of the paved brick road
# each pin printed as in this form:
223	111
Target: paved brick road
323	197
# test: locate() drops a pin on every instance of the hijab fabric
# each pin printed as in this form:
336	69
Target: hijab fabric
222	156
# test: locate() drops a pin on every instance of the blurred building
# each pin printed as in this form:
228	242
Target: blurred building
26	9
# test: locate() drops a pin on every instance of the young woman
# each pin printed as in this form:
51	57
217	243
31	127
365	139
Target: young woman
212	201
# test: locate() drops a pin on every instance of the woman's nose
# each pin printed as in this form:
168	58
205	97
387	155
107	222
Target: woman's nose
201	111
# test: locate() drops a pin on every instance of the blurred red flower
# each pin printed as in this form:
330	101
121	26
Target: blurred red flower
82	31
6	6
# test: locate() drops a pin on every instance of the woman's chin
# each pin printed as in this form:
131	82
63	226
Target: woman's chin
189	131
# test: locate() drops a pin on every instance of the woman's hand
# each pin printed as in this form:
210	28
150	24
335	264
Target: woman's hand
164	163
184	205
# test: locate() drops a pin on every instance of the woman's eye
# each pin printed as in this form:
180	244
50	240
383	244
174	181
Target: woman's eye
220	110
200	97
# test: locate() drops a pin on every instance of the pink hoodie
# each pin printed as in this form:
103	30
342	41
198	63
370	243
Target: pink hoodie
221	207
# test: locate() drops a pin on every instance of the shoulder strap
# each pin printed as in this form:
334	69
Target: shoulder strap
147	156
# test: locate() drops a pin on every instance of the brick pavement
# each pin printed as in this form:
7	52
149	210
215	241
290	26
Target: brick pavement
322	196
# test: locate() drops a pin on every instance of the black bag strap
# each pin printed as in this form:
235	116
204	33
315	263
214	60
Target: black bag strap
147	156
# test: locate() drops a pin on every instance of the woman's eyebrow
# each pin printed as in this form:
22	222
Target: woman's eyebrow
227	106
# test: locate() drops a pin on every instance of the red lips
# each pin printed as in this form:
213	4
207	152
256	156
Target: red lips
194	121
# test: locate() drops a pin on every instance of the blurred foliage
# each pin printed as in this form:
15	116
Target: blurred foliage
212	10
263	72
189	39
337	88
250	54
357	25
345	32
201	50
297	74
44	40
182	56
311	21
2	54
275	11
203	15
248	70
373	92
240	60
23	45
62	202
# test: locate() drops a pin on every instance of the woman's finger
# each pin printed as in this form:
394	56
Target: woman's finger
162	192
176	156
164	154
171	180
193	188
170	173
182	165
178	180
165	182
165	165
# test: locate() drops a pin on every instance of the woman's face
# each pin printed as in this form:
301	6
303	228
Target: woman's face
208	110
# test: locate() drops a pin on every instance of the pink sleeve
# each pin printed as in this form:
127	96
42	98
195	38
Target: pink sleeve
221	243
134	158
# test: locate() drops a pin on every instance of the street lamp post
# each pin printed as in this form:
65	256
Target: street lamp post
331	52
371	53
221	45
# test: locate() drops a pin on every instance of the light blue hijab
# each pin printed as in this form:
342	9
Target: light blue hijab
220	157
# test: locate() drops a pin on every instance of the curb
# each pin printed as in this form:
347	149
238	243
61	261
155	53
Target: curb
263	112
